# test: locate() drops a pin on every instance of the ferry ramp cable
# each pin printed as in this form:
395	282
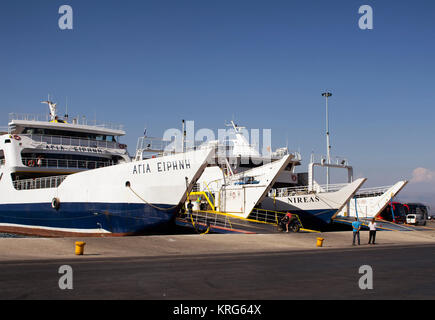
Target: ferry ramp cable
150	204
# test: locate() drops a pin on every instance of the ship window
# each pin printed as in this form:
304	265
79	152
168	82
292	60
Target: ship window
64	133
2	157
8	141
100	138
289	167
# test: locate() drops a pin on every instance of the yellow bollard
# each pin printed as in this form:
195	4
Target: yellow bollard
320	242
80	247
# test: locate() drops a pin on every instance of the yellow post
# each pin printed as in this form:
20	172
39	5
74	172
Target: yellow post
320	242
80	246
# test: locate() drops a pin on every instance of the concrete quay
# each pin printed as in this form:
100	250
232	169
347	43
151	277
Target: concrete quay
22	249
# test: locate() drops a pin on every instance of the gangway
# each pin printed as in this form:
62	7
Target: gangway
259	221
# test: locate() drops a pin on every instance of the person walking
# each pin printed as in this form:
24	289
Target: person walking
372	227
356	227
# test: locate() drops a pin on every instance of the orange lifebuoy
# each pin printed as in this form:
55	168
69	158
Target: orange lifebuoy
30	163
294	178
16	137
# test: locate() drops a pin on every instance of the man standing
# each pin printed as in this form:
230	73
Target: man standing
356	226
372	227
189	208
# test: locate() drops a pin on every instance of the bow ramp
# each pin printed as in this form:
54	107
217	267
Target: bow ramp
245	190
345	193
370	202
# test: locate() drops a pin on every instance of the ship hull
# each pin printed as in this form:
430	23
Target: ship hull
134	198
316	210
86	219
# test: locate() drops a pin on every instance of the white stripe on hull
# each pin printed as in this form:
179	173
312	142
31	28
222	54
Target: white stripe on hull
66	230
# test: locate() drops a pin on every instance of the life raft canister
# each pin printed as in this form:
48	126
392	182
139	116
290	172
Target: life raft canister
55	203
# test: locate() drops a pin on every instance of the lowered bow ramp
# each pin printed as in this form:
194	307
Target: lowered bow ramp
347	193
240	198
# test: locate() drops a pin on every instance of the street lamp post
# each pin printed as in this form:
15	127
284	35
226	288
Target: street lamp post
328	145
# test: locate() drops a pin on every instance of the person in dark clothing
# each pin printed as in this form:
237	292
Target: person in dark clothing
189	208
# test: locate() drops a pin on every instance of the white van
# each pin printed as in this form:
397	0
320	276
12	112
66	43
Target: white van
417	213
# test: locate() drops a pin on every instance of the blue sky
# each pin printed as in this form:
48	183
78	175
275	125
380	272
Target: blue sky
263	63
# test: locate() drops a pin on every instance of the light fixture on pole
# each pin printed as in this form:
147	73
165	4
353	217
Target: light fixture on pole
328	145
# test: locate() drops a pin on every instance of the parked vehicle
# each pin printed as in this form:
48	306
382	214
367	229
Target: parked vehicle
394	212
417	213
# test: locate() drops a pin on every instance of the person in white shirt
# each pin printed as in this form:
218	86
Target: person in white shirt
372	227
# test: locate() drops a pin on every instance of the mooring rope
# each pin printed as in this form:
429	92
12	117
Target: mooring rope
150	204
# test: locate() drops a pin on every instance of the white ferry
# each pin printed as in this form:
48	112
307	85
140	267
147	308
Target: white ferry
236	180
240	183
61	177
316	205
287	191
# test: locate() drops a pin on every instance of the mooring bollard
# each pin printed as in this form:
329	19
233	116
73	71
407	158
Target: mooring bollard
320	242
80	248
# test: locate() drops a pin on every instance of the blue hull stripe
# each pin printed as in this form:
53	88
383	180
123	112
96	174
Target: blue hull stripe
118	218
315	219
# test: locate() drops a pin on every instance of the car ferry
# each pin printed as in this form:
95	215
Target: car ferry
62	177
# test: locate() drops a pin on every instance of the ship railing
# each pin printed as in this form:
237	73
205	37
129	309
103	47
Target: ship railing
208	218
222	150
336	160
302	190
39	183
65	163
2	162
269	216
371	192
266	216
222	219
71	141
79	120
150	144
29	117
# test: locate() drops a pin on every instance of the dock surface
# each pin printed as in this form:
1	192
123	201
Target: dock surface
21	249
254	266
